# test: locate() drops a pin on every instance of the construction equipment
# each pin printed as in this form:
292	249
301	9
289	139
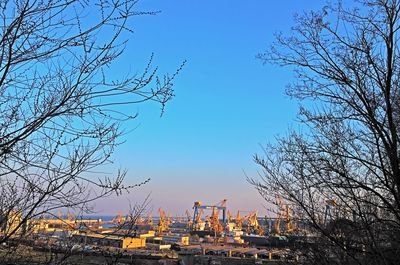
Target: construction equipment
139	219
163	223
290	226
119	219
214	222
168	221
284	213
255	225
189	221
277	224
197	223
230	218
238	220
245	219
71	221
249	221
198	206
221	205
178	218
149	220
71	216
331	203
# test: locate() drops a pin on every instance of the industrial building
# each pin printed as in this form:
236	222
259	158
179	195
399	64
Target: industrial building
176	239
10	221
109	240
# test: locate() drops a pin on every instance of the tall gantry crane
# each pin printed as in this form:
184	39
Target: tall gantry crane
198	207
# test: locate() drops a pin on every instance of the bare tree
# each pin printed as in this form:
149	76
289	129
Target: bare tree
60	104
342	167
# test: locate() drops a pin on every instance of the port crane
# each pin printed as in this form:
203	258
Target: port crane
119	219
149	220
168	221
189	221
196	224
238	220
230	218
218	207
290	226
250	221
214	222
329	205
255	225
162	222
284	215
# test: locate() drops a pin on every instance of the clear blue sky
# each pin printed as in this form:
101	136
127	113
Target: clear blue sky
227	103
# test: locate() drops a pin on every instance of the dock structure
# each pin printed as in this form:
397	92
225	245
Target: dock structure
231	251
48	225
214	236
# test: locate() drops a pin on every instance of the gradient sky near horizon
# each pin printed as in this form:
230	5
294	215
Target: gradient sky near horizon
227	102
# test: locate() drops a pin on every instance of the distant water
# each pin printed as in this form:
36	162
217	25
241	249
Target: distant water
109	218
96	217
